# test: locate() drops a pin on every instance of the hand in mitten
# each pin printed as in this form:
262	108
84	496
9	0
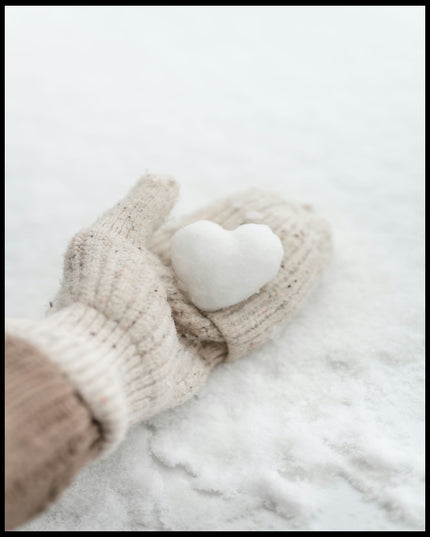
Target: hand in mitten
125	334
307	247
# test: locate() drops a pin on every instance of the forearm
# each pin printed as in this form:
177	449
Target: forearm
50	432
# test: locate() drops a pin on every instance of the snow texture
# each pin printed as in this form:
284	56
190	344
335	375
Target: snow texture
218	268
323	427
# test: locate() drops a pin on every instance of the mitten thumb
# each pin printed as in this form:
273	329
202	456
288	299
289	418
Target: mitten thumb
142	211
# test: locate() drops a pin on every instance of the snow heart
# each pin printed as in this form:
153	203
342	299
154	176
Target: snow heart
217	268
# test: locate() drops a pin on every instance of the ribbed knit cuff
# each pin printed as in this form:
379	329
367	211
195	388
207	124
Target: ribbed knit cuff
96	355
50	433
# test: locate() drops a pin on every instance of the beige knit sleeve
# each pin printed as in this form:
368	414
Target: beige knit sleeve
49	432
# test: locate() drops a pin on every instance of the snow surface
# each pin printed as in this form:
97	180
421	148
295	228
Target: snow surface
218	268
323	427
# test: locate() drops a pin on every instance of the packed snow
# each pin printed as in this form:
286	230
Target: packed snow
217	267
323	427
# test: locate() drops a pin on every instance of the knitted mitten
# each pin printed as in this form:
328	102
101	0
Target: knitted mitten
307	247
125	334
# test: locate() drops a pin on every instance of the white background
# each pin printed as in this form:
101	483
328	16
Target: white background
322	428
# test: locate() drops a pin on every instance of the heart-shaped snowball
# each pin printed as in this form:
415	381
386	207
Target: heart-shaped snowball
218	268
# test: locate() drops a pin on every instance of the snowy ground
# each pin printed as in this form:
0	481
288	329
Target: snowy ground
322	428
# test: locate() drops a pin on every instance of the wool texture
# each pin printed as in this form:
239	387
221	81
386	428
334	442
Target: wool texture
306	240
49	432
123	332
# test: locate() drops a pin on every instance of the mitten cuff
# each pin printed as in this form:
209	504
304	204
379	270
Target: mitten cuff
87	347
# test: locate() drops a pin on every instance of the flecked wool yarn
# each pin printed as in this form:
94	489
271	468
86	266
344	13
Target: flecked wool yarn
123	332
306	241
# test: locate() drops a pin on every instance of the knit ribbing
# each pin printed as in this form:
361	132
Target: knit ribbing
123	379
307	246
49	432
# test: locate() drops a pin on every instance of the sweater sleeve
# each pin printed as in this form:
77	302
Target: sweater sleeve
50	433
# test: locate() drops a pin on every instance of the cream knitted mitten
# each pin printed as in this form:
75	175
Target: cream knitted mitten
128	338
